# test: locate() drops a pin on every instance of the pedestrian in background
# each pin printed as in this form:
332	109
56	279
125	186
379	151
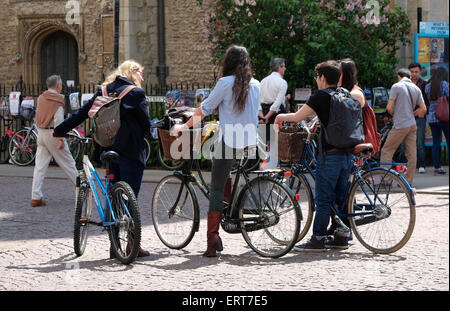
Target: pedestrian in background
49	114
421	122
405	103
437	87
273	101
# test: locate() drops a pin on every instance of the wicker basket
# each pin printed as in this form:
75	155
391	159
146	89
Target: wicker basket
290	144
187	146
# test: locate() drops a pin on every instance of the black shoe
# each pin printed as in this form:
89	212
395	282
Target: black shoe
337	242
313	245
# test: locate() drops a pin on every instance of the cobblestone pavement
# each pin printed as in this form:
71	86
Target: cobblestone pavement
36	254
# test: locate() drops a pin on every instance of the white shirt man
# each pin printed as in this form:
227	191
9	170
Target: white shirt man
272	99
273	90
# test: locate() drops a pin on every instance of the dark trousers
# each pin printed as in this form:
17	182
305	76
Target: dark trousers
266	109
129	171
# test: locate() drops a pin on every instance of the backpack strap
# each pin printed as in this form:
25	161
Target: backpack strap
104	91
126	91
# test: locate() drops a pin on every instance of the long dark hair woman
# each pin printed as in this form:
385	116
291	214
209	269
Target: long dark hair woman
236	96
437	87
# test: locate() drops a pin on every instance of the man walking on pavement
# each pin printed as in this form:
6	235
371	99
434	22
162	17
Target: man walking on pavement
49	114
405	103
272	99
421	122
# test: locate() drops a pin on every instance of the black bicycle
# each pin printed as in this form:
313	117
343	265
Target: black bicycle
264	210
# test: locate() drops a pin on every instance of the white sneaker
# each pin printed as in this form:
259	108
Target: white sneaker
421	170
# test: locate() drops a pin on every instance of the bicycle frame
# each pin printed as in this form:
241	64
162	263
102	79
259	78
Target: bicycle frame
23	144
92	178
303	166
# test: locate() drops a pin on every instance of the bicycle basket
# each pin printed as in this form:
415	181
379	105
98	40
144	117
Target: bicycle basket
290	144
182	147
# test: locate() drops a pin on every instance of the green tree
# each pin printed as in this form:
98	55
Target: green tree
306	32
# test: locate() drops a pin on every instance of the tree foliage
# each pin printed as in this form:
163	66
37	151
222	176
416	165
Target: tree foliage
306	32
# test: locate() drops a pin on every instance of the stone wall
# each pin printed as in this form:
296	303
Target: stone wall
25	24
186	55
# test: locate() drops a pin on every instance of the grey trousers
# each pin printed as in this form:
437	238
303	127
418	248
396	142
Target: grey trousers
222	163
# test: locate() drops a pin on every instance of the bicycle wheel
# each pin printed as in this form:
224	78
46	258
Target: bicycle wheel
125	234
22	148
175	212
269	217
300	185
74	143
169	164
389	210
82	216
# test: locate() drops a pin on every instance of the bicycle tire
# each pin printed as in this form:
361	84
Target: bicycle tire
125	235
299	184
169	164
16	145
175	228
266	237
393	219
82	217
74	143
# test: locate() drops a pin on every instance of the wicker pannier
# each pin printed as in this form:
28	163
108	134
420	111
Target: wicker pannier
290	144
186	149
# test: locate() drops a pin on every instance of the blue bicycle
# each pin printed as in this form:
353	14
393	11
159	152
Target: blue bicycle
380	204
119	214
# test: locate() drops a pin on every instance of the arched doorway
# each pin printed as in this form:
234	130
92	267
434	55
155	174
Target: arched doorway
59	55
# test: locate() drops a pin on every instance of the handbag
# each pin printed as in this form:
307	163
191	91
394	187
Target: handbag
441	112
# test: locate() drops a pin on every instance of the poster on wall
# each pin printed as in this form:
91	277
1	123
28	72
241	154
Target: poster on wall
431	47
432	50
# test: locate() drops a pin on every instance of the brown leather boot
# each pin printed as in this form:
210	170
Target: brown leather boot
214	241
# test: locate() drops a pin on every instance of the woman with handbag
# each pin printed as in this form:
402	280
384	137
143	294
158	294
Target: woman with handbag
438	93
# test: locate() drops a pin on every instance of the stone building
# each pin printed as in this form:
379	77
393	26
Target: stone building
430	11
75	38
41	37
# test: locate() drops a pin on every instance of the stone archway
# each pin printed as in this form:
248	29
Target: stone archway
32	34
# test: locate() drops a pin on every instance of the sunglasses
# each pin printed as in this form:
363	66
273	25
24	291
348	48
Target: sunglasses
140	74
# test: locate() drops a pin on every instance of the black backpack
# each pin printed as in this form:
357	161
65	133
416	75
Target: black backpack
345	123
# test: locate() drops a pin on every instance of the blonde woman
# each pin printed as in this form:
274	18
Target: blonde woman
135	123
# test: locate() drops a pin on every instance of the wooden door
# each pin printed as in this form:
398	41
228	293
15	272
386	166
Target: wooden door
59	55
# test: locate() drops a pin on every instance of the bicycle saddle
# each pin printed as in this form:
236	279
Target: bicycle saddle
109	156
366	149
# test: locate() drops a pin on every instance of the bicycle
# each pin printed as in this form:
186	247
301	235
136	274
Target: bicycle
119	215
22	145
264	210
379	201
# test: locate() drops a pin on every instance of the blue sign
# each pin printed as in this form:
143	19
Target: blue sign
434	28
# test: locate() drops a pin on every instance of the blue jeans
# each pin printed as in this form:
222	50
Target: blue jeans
129	171
332	178
436	130
420	141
